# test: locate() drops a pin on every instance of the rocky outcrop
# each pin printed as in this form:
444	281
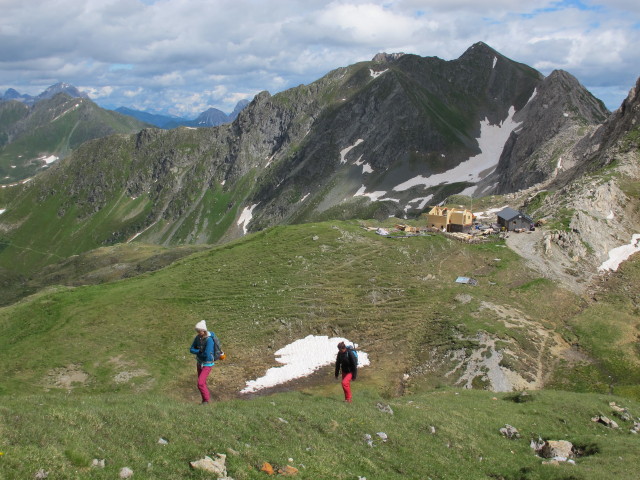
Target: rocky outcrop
557	116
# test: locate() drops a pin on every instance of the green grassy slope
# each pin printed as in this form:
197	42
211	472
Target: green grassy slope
120	352
318	434
53	127
262	292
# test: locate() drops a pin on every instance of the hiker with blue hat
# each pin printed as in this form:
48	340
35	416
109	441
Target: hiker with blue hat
206	347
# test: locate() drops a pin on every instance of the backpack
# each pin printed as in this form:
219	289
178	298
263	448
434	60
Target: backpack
352	349
217	350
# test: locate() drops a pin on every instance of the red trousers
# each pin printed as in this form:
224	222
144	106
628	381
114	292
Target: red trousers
203	373
346	386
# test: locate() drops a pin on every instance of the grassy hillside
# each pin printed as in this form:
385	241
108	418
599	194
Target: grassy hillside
315	433
54	126
103	371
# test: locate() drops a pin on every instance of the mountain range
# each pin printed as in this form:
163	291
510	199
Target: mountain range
211	117
388	137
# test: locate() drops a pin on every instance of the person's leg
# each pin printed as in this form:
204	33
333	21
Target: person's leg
203	373
346	386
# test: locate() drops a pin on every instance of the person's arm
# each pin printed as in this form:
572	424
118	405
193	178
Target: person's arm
194	346
337	365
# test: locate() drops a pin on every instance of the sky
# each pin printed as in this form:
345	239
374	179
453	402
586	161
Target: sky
181	57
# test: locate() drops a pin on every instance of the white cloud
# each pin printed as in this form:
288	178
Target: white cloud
187	47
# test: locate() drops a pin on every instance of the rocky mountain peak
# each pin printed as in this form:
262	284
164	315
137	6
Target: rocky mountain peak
62	87
479	49
383	57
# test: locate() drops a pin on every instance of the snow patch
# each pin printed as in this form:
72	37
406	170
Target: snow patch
611	216
374	196
66	111
2	210
300	359
491	142
49	159
304	198
366	168
377	74
246	216
620	254
495	60
344	151
422	201
269	160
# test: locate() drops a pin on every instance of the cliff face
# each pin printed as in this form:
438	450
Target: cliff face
561	113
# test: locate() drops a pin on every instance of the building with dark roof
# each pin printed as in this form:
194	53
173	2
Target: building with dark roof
514	220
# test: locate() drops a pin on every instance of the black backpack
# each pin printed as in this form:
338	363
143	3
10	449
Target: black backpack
352	349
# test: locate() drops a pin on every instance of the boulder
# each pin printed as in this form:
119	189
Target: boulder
207	464
557	449
605	421
510	432
126	472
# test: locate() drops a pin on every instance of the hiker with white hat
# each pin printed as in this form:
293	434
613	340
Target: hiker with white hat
204	346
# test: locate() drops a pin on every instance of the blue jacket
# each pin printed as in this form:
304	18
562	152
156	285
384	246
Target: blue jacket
202	348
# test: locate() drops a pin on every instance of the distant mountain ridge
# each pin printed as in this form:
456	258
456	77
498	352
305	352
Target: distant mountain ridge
211	117
70	90
38	131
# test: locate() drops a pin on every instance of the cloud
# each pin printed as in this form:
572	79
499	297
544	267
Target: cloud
183	55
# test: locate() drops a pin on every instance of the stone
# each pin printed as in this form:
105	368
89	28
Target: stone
383	436
41	474
95	463
126	472
384	408
557	449
368	439
210	465
605	421
510	432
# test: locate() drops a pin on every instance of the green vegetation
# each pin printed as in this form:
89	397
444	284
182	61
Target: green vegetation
120	351
536	202
323	437
561	220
